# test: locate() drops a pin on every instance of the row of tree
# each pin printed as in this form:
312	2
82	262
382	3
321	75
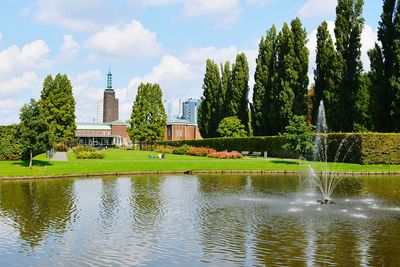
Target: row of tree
281	79
355	100
225	95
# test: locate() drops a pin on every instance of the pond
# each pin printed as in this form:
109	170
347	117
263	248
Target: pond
219	220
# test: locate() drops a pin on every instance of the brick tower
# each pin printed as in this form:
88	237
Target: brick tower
110	103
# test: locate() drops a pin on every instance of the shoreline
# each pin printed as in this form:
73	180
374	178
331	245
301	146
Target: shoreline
189	172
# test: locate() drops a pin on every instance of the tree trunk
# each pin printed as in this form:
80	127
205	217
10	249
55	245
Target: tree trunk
30	160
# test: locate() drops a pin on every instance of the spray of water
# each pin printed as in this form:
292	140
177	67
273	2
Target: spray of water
325	180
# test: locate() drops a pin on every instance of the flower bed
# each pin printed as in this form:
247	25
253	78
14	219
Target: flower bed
200	151
225	155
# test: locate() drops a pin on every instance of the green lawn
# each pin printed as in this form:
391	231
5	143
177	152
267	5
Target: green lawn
131	161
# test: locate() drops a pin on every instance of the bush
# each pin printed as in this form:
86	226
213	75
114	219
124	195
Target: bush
164	150
89	155
87	152
225	155
231	127
10	144
61	147
181	150
200	151
78	149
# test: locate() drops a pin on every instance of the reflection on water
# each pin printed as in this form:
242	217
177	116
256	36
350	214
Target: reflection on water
198	220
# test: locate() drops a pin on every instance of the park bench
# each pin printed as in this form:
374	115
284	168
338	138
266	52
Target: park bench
245	153
256	154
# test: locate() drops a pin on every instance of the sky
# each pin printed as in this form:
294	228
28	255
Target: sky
158	41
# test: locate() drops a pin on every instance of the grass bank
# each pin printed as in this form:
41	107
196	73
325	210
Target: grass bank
139	161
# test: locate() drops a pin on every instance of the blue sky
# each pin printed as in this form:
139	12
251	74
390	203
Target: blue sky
163	41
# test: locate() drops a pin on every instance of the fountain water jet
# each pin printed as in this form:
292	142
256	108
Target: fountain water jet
325	180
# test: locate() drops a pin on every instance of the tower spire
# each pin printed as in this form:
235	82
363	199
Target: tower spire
109	80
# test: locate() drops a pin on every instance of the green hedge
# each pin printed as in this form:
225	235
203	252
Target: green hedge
360	148
380	149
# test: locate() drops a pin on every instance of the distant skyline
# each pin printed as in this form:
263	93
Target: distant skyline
161	41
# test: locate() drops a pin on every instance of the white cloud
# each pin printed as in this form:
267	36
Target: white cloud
19	77
368	39
21	83
75	15
225	11
258	2
198	56
1	37
31	56
128	41
70	48
87	91
317	8
8	108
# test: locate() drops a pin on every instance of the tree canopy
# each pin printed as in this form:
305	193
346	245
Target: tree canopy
148	117
34	131
58	106
231	127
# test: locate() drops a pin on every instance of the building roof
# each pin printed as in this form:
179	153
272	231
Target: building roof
119	123
179	121
93	126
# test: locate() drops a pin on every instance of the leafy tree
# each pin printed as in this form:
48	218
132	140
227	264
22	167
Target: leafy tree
148	117
362	108
285	81
231	127
208	113
348	28
225	87
326	77
385	73
300	66
262	92
34	131
299	136
10	145
238	94
58	105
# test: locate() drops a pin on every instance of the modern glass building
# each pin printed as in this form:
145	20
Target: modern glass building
190	108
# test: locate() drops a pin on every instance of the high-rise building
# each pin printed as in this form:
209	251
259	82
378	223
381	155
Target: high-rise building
110	103
169	109
99	115
190	108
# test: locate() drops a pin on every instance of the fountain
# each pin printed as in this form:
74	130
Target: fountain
325	180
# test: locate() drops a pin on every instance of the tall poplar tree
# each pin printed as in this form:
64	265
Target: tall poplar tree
348	28
58	105
239	91
208	113
148	117
225	85
262	92
300	65
385	63
284	81
326	77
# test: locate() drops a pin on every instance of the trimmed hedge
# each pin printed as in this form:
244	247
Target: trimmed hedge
359	148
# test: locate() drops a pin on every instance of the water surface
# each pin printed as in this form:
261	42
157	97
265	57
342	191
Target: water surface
219	220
